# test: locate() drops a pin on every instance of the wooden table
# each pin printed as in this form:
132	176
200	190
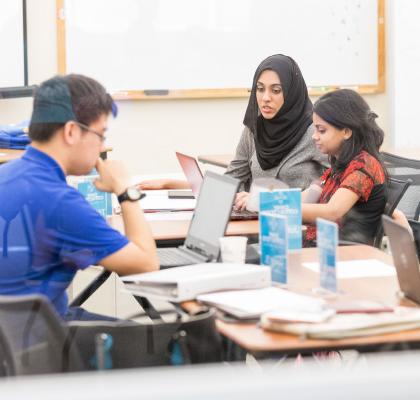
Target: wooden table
253	339
9	155
175	231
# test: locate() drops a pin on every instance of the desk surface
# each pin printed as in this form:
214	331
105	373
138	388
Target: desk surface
256	340
223	160
9	155
177	229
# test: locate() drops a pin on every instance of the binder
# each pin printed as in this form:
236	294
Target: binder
185	283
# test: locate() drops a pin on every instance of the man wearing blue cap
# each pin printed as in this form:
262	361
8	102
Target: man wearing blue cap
48	231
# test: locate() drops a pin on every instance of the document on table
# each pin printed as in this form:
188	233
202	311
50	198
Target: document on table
368	268
159	201
253	303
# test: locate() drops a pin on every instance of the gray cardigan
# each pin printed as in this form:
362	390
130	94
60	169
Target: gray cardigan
298	169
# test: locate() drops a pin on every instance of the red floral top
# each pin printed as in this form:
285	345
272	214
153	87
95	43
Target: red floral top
364	176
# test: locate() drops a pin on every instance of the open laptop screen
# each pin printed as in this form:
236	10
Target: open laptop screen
191	171
405	257
212	212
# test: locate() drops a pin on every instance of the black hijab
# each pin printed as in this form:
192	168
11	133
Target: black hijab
275	138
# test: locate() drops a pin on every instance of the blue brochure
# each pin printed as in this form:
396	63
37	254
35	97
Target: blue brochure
327	241
286	202
100	201
273	244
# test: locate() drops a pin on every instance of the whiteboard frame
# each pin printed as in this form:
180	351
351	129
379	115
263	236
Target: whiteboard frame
226	92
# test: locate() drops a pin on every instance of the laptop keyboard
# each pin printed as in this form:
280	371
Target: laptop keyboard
243	215
175	257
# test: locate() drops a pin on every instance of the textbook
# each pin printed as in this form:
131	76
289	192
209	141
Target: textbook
185	283
343	326
100	201
286	202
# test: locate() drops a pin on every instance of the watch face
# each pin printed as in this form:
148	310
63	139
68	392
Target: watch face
133	193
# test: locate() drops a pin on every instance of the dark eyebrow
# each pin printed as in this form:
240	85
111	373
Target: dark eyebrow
274	84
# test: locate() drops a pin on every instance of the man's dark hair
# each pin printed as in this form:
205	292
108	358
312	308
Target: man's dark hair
89	100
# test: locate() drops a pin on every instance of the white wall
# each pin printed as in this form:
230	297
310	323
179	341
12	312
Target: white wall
404	73
147	133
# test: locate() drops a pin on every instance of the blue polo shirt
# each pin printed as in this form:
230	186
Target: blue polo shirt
48	230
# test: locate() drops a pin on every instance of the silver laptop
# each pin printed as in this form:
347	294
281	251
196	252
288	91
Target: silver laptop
208	224
405	258
194	177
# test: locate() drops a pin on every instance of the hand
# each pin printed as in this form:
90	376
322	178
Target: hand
154	184
160	184
113	176
241	201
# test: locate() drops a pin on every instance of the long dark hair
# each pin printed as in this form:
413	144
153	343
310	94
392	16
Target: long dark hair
344	108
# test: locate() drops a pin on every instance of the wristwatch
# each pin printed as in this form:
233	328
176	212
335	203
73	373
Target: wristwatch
130	194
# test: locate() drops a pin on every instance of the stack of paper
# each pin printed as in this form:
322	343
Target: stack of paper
185	283
352	325
252	303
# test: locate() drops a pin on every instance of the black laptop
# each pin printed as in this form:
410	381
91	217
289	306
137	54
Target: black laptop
208	224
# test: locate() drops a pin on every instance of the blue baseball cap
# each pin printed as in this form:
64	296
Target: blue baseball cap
52	103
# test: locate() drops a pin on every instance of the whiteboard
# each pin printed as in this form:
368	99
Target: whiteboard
184	45
12	65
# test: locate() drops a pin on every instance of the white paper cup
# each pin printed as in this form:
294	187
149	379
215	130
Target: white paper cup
233	249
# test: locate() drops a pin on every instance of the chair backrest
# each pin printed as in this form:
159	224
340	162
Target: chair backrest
415	227
392	160
38	341
396	189
7	364
176	341
405	168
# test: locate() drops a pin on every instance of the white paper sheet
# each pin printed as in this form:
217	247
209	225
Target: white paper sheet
357	268
169	216
160	201
250	303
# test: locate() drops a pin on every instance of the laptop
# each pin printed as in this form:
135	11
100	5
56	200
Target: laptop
208	224
405	258
195	177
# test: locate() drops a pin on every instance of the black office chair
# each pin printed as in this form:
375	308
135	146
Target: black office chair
405	168
184	339
7	365
33	340
396	189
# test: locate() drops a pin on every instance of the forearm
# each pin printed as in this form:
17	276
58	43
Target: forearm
177	184
338	206
310	212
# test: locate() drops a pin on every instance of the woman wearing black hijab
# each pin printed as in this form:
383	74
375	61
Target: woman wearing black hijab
277	138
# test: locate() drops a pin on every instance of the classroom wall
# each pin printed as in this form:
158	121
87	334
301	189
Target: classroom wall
404	74
147	133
